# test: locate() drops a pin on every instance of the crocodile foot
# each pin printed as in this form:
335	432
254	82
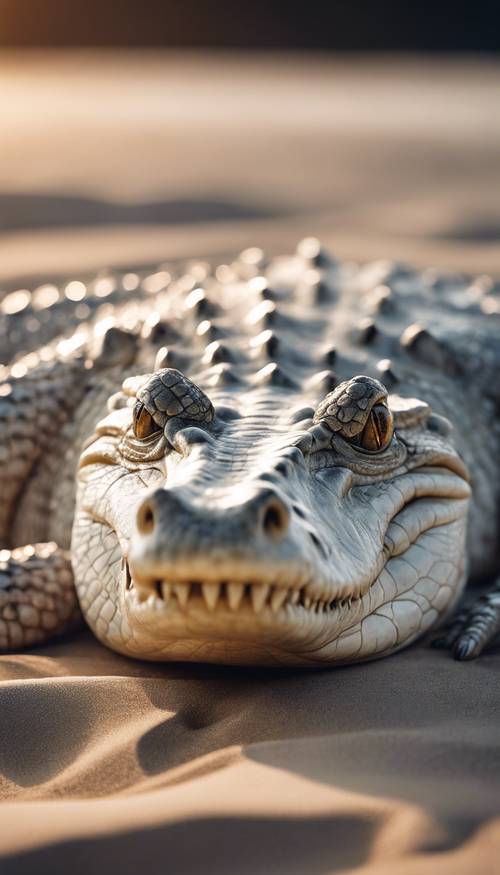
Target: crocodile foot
473	628
37	595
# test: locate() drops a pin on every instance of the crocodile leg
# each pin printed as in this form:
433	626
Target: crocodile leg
37	595
474	627
33	412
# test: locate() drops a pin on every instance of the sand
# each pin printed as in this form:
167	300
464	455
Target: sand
113	765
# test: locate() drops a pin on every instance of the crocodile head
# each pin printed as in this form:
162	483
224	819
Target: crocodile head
242	529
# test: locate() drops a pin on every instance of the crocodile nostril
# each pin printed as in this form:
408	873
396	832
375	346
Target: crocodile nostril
275	519
146	518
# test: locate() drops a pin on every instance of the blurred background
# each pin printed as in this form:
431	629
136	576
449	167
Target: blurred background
135	132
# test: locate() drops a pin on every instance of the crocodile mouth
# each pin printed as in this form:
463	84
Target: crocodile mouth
159	596
229	597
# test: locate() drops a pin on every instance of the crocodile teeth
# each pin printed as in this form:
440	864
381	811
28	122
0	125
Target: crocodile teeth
211	594
260	592
182	592
278	597
235	594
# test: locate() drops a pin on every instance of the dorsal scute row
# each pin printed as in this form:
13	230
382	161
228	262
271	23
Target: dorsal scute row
283	321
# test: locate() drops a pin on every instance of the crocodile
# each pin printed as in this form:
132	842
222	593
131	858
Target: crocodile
281	461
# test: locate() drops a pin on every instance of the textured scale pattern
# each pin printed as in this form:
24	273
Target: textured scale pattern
261	353
36	594
345	409
170	394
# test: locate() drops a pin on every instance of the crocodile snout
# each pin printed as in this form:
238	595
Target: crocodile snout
177	533
265	514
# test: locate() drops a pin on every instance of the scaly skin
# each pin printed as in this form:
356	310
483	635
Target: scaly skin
228	497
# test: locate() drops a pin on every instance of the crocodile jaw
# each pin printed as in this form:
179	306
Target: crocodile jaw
231	622
393	564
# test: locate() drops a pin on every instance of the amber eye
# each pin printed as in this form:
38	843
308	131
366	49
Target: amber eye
144	424
378	431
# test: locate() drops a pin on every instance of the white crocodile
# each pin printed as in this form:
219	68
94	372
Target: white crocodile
286	461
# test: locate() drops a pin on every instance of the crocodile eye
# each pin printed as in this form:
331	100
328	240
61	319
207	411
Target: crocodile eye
163	400
378	431
357	411
143	423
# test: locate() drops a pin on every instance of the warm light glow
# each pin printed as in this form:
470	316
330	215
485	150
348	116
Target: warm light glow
16	301
75	291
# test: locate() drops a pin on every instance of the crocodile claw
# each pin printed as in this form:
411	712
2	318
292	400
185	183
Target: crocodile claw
474	627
